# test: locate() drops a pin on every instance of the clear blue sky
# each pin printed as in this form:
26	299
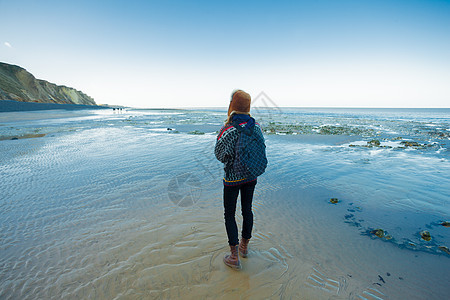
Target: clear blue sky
194	53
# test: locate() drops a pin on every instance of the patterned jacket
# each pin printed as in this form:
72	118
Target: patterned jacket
225	149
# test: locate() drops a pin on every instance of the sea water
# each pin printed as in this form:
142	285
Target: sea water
127	204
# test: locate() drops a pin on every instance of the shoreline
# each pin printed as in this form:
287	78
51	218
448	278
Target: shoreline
17	106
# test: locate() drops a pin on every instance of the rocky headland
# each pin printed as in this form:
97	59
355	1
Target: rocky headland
18	84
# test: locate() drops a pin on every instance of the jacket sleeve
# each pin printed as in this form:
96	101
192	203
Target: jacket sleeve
225	143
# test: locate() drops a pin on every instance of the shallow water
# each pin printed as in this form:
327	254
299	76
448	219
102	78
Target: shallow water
125	206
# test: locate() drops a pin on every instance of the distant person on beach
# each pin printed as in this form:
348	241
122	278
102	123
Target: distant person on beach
238	120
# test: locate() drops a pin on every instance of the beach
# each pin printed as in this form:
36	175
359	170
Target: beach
106	205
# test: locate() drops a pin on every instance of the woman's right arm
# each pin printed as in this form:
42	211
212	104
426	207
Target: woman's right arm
224	149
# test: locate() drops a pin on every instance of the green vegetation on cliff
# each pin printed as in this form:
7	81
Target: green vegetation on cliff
18	84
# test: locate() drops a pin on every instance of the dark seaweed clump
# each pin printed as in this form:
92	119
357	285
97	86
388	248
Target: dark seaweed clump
424	240
280	128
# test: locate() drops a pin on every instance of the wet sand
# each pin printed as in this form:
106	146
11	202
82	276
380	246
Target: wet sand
123	212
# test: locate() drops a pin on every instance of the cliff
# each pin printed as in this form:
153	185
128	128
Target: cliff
18	84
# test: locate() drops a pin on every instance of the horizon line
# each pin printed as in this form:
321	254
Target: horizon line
278	107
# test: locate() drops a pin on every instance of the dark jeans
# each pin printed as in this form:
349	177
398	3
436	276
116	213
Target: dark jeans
230	195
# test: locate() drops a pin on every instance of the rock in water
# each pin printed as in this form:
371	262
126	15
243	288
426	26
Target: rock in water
378	232
374	143
334	200
444	249
425	235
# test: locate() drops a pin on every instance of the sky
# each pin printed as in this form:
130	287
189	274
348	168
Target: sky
313	53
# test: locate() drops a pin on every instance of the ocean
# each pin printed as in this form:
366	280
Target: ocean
127	204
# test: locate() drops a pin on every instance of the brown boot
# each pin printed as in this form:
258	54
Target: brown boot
243	247
232	260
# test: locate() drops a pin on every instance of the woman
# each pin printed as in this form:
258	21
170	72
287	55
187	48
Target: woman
238	115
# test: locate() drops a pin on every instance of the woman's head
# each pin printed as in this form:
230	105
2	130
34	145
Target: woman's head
239	103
